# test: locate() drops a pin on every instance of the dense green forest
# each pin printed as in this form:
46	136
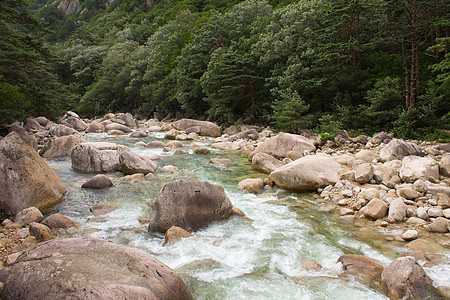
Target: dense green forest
360	65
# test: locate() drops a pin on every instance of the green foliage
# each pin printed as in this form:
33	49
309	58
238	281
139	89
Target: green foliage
328	127
289	112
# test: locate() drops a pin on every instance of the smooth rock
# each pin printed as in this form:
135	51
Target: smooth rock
397	211
26	179
133	163
440	225
414	168
280	145
98	182
375	209
444	165
202	151
175	234
28	216
90	269
59	147
56	221
203	128
434	212
408	192
40	231
398	149
311	265
410	235
100	209
252	185
363	268
307	173
404	278
117	126
265	163
363	173
97	157
190	205
155	144
221	161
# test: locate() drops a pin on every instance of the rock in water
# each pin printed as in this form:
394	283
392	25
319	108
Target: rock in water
175	234
190	205
98	182
25	178
265	163
405	279
90	269
203	128
365	269
58	147
307	173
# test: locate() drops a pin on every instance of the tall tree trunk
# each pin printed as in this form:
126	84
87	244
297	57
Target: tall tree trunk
407	81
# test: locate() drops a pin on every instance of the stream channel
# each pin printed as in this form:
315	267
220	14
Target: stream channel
237	258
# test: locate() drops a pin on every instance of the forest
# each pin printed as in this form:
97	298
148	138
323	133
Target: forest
324	65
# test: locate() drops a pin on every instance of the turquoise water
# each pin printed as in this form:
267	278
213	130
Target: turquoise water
237	258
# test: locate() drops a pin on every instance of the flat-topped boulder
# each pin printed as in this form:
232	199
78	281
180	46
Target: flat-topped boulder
25	178
97	157
90	269
59	147
307	173
190	205
282	144
203	128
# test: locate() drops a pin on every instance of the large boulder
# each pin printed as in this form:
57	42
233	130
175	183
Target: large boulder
25	178
59	147
72	120
307	173
117	126
397	211
203	128
362	267
405	279
397	149
265	163
280	145
90	269
414	168
190	205
97	157
61	130
444	165
95	127
28	138
128	119
133	163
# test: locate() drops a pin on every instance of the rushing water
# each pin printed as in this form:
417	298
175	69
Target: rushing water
237	258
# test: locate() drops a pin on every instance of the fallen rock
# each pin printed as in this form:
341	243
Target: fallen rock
28	216
364	173
133	163
307	173
98	182
280	145
410	235
361	267
25	178
444	165
265	163
40	231
90	269
203	128
175	234
375	209
397	211
398	149
59	147
414	168
190	205
440	225
57	221
97	157
404	278
252	185
155	144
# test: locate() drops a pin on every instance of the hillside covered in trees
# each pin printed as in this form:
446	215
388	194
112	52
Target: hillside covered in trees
363	65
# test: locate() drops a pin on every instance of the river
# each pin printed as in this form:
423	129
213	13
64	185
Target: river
237	258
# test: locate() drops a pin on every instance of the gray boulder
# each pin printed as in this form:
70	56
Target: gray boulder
97	157
203	128
59	147
28	216
405	279
265	163
98	182
280	145
414	168
190	205
307	173
397	149
90	269
25	178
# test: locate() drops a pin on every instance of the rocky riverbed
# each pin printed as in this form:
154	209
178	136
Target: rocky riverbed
391	194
